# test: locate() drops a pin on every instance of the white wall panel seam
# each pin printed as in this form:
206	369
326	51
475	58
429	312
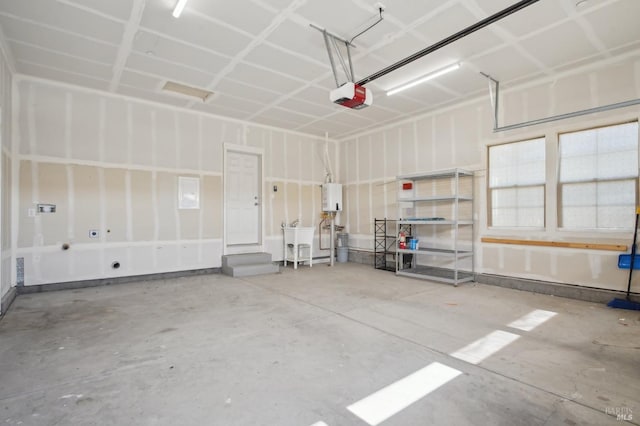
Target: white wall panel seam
269	152
286	175
71	204
384	173
201	217
15	179
155	213
177	139
102	132
357	203
122	166
370	154
129	133
68	119
54	248
154	139
102	189
35	176
128	205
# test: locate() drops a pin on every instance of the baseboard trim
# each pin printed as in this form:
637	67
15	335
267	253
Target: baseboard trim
71	285
570	291
7	300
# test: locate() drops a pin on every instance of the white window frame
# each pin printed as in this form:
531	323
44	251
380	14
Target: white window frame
595	180
515	186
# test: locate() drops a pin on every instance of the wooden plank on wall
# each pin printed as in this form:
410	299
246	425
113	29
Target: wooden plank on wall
562	244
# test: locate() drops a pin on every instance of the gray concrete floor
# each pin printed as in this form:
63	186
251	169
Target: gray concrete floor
299	347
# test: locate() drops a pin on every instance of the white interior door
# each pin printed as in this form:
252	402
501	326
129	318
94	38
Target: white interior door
243	198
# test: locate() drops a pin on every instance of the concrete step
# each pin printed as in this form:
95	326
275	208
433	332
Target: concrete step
247	270
229	260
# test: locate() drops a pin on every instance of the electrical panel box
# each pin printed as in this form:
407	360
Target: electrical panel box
331	197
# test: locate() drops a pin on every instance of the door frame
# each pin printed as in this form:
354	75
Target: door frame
243	248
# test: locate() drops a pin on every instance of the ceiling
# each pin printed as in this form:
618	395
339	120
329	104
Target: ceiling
265	64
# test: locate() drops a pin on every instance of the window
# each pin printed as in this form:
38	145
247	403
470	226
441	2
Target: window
517	184
598	178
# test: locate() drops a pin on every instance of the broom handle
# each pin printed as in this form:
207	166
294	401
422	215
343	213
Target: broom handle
633	255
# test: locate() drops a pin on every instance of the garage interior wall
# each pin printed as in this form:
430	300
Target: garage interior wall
6	179
459	137
111	164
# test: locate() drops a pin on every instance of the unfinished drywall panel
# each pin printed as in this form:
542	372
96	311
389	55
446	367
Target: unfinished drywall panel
292	206
465	127
426	148
445	148
378	201
143	210
165	138
142	148
53	189
211	207
129	188
572	93
82	264
352	207
117	135
391	154
27	207
279	156
86	119
143	259
365	221
189	219
612	85
308	215
258	137
44	130
190	255
277	206
352	160
5	252
529	104
294	156
408	148
188	225
165	190
114	227
308	159
5	192
364	158
191	145
377	157
212	142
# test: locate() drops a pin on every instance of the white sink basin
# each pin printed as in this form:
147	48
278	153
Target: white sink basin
296	238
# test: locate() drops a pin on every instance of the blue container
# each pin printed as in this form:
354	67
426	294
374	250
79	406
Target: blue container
624	261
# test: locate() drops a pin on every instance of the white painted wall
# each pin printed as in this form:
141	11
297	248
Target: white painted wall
458	137
111	163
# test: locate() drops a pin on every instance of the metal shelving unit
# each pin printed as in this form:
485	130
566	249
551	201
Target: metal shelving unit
439	259
384	242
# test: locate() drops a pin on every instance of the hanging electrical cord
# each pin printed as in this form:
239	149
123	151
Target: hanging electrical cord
380	10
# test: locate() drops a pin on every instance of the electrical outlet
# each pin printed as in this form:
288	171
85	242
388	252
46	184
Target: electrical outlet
93	233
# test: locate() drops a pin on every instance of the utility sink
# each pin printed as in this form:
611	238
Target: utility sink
298	244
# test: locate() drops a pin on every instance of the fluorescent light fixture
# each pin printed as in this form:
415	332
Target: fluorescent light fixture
421	80
179	8
196	92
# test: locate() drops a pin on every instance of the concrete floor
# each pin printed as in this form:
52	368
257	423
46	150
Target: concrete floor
299	347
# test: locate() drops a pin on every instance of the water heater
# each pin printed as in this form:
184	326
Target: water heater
331	197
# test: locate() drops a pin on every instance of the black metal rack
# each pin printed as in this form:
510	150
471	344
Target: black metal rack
385	240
